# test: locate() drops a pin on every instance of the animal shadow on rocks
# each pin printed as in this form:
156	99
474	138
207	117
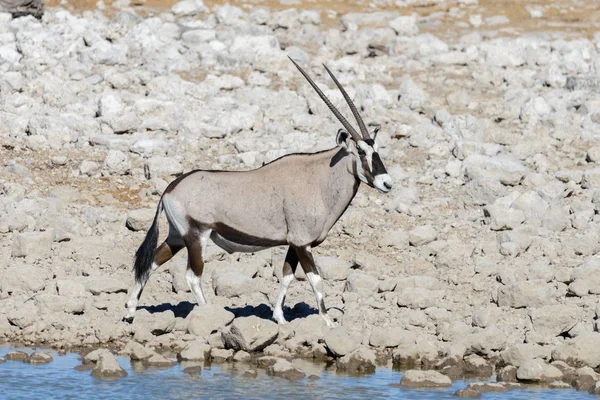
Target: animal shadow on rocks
180	310
300	310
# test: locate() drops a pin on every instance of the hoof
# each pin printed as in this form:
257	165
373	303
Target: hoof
128	319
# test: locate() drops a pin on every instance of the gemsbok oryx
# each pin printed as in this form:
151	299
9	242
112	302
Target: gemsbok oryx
293	201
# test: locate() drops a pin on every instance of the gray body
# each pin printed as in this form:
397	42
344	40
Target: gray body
294	201
301	196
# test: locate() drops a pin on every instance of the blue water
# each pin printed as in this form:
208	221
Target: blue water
59	380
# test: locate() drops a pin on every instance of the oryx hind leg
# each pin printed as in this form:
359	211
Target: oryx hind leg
163	253
312	274
196	242
287	276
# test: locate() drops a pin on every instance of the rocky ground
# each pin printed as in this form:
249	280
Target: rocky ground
483	258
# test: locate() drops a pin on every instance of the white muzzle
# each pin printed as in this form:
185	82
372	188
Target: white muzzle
383	183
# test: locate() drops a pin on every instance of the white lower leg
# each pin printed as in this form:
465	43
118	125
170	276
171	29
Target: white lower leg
317	285
195	286
283	287
133	300
136	293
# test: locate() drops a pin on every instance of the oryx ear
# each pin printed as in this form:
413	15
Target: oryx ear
343	138
376	131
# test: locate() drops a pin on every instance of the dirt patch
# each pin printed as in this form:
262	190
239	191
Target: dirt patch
448	20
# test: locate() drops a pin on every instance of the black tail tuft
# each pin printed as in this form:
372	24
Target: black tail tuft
144	256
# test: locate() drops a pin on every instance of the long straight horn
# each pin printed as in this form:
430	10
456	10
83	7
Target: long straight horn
334	110
359	120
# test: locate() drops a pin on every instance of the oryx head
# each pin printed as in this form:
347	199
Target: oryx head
369	167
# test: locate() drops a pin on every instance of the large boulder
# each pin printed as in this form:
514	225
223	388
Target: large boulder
340	342
419	298
117	162
136	351
39	357
157	323
23	316
94	356
107	367
584	350
23	279
397	239
359	361
105	284
532	205
159	361
159	166
500	218
425	379
535	293
333	268
197	350
49	303
583	378
506	169
242	356
476	390
391	337
232	284
421	235
310	329
37	245
140	219
187	8
424	347
359	282
220	355
267	361
487	340
478	366
485	316
452	366
70	288
285	369
537	370
260	51
551	321
415	281
17	356
482	192
522	352
406	25
250	334
208	318
507	374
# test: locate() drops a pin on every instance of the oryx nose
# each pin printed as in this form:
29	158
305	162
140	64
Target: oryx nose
388	185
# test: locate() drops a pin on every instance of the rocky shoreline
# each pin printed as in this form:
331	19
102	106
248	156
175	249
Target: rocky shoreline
483	260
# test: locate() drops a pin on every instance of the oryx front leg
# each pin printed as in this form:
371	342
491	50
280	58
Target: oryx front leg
312	274
287	276
196	243
163	253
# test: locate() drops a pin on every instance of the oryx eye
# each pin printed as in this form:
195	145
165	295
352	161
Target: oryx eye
361	152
